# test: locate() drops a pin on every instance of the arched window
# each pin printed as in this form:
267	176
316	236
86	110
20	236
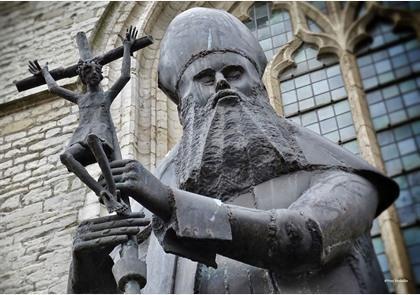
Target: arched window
272	28
313	95
390	70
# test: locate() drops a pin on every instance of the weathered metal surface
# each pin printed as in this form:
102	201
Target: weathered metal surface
71	71
262	204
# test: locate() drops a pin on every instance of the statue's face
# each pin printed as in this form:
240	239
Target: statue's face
91	74
218	78
232	137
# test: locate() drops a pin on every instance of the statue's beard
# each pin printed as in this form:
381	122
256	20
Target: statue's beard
231	146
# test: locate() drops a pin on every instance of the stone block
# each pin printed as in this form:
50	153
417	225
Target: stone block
26	158
52	132
42	230
60	187
76	183
14	170
45	168
41	109
5	146
62	201
10	204
16	152
15	136
17	126
67	120
89	211
40	128
6	164
23	214
37	195
21	176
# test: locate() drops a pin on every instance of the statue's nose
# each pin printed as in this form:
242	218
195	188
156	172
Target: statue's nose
221	82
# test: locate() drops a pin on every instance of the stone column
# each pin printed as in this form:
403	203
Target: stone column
394	245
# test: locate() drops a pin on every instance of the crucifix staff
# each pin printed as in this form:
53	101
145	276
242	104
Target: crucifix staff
95	139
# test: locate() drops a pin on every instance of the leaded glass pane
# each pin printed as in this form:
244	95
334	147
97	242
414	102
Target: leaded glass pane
391	63
313	89
394	104
382	35
332	121
272	28
400	149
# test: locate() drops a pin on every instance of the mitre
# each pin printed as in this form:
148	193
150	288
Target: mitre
198	32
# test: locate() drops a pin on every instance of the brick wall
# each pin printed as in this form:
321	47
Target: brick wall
40	200
41	203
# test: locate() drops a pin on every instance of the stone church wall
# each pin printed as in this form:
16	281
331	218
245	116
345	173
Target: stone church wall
39	199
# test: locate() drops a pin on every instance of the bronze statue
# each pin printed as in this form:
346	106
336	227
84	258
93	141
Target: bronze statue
94	140
248	201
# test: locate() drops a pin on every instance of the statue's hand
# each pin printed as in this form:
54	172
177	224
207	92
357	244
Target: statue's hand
35	69
95	239
130	36
133	180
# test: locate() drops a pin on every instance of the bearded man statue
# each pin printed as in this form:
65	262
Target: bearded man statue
247	202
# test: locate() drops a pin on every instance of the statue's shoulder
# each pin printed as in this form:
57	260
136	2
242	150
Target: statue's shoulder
319	151
165	170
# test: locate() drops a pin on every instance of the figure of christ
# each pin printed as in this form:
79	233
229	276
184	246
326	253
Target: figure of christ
94	140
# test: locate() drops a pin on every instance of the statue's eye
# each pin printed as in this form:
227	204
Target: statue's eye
233	72
206	77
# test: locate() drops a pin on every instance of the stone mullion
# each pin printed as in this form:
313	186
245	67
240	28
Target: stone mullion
334	12
272	85
394	245
161	126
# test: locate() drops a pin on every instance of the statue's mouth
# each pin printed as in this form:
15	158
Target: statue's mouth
226	95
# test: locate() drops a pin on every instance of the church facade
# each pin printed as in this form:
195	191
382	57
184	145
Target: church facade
349	71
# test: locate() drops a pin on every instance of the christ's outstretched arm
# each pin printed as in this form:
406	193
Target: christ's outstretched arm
125	69
35	69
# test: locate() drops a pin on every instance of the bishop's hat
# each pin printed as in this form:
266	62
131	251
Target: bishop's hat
198	32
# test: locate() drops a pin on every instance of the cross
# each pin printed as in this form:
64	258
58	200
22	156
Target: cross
129	266
85	54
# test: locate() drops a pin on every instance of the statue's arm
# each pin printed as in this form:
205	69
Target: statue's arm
317	228
126	64
53	87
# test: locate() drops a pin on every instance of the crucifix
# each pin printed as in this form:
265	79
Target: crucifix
95	139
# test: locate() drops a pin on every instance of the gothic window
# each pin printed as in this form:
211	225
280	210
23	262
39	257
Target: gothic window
313	95
272	28
390	70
